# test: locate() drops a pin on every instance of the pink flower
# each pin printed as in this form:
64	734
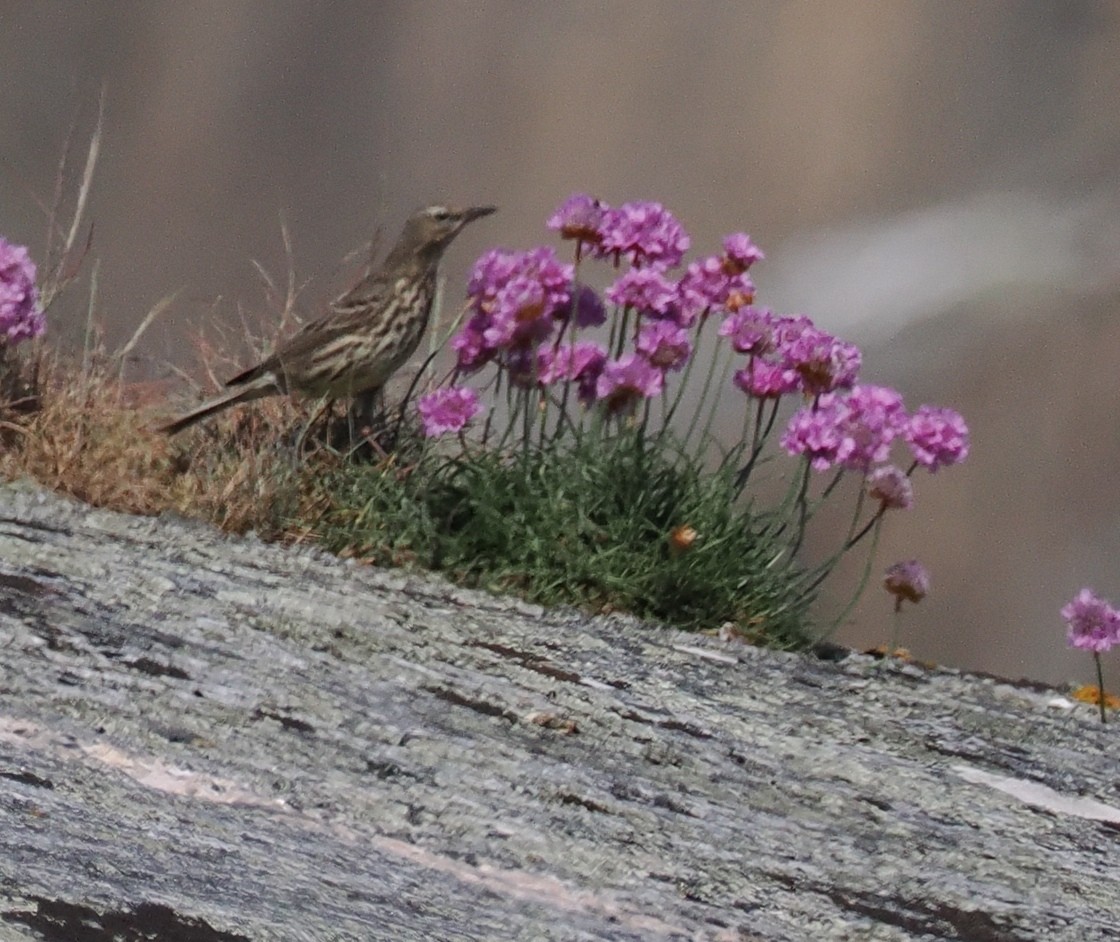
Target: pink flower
581	363
588	306
447	410
765	380
854	431
20	316
470	346
891	487
579	218
515	295
740	253
627	380
664	344
645	290
1093	624
937	437
906	580
647	233
750	330
824	363
708	286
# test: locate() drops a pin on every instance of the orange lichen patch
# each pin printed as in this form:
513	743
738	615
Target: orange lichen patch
1092	694
885	650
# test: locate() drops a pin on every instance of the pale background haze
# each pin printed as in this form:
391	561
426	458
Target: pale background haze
938	182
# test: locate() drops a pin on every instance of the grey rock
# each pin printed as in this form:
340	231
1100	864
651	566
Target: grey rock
210	738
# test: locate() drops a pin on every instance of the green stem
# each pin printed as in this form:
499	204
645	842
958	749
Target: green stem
761	434
860	587
1100	685
802	506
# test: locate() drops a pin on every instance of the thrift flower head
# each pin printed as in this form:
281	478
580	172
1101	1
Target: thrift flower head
708	286
664	344
528	365
589	310
20	316
740	253
626	380
906	581
579	218
516	295
788	329
937	437
818	433
645	290
824	362
646	233
470	345
854	431
891	487
447	410
581	363
1093	624
497	270
750	330
765	380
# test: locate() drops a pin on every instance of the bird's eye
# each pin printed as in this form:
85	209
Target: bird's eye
440	213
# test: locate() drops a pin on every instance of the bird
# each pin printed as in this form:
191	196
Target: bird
366	335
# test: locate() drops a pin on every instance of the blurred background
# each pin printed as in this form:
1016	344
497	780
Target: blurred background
939	183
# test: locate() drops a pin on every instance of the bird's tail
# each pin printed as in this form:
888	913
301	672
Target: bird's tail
256	390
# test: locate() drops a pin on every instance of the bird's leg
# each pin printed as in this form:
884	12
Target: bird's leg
324	408
365	409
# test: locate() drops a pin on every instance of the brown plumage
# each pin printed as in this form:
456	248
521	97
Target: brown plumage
365	336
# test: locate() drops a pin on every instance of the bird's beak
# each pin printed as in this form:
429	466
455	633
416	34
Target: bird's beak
476	212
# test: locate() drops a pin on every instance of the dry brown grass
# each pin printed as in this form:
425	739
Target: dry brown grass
78	428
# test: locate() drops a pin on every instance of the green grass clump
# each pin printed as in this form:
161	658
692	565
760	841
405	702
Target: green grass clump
608	524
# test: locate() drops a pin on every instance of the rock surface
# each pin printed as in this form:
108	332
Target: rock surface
210	738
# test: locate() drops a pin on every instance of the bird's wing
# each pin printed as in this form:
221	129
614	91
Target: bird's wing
353	306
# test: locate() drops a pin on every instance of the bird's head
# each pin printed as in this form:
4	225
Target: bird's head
429	231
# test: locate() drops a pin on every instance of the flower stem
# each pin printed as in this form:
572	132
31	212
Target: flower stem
1100	685
866	575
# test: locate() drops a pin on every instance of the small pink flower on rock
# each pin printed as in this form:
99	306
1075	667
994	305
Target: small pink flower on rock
1092	624
906	581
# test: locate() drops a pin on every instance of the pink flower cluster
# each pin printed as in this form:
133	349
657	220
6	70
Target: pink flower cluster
788	354
526	310
20	316
1092	623
855	429
645	233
